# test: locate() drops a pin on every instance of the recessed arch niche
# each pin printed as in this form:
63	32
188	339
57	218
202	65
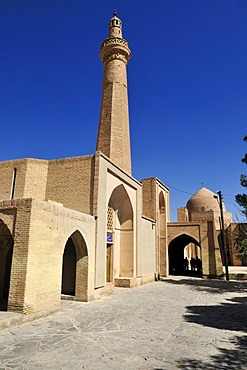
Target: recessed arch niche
122	253
75	267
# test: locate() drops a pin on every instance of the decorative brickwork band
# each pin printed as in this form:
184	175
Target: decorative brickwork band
118	56
114	40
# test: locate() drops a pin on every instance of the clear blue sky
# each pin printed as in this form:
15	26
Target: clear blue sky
187	86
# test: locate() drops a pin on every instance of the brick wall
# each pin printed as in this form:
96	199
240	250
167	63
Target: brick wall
113	135
40	233
30	179
36	177
20	252
70	182
6	178
149	198
182	214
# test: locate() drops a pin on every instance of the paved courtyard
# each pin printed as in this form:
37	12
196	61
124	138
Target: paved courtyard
177	323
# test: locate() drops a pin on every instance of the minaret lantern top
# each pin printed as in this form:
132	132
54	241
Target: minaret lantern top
115	26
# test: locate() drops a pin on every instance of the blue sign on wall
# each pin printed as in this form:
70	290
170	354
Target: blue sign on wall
109	238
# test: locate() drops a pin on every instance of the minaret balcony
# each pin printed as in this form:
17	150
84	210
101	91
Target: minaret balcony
115	48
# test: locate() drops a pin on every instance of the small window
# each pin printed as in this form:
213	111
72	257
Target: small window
12	191
202	209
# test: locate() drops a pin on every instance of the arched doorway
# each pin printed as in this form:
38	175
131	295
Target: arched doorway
69	268
75	267
185	256
119	252
6	253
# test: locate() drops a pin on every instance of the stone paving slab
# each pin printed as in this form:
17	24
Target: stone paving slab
177	323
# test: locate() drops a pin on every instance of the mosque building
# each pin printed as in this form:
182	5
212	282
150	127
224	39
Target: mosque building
204	206
75	228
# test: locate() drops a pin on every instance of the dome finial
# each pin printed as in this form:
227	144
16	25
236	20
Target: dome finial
115	13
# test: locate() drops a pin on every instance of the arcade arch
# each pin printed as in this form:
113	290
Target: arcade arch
6	253
185	256
75	267
120	234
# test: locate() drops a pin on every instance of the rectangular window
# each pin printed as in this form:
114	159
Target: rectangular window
12	192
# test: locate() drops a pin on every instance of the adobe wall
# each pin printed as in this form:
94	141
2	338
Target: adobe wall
6	175
211	216
70	182
16	215
156	205
36	177
30	182
149	207
182	214
40	235
147	250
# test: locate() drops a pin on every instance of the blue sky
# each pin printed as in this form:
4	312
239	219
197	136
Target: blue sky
187	86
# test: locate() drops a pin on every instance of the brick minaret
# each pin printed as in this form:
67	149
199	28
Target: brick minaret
113	134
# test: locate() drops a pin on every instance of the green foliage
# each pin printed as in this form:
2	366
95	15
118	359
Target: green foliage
241	199
241	241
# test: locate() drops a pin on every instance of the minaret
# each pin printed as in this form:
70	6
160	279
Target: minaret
113	133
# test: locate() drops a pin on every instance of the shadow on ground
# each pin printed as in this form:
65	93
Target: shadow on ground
230	315
234	359
226	359
210	285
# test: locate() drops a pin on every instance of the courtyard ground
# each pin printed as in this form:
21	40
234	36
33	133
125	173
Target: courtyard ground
177	323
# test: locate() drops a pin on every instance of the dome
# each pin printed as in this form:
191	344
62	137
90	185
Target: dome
204	200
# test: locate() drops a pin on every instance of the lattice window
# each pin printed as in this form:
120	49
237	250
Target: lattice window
110	218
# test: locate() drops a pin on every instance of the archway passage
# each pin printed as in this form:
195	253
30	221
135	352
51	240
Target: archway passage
6	253
185	256
75	267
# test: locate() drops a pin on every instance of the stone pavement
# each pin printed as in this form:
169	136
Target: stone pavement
177	323
237	272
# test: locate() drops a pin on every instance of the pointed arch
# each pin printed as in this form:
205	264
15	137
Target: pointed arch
120	202
75	267
6	253
184	256
162	204
120	253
